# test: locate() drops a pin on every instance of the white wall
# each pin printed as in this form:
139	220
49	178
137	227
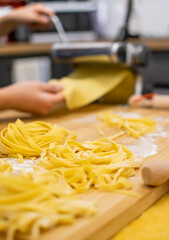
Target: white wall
154	17
110	16
150	18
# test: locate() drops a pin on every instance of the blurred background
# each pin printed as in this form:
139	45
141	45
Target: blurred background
85	21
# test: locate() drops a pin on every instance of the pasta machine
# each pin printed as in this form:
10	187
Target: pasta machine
135	56
119	51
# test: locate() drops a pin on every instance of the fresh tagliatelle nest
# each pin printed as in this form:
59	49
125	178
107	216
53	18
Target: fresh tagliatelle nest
102	164
135	127
29	139
46	197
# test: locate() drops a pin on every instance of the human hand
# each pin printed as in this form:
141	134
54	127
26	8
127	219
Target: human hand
34	97
34	15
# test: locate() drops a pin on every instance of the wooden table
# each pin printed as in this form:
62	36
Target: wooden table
114	210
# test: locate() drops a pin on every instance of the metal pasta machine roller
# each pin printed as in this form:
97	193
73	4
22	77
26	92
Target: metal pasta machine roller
119	52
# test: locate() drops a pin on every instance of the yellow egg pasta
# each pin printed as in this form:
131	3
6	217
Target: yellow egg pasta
36	201
135	127
102	164
95	78
29	139
5	167
46	197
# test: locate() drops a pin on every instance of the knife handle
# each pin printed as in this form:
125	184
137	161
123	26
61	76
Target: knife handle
155	172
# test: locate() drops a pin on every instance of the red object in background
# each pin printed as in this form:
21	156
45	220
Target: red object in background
14	4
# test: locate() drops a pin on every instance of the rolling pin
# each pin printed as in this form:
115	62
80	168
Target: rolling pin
151	100
156	172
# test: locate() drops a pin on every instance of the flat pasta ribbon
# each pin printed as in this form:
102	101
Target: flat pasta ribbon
29	139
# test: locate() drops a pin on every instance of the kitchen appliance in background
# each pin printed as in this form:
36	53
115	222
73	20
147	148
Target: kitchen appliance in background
77	18
31	69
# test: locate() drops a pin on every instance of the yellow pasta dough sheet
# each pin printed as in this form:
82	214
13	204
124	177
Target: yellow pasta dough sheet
151	225
92	80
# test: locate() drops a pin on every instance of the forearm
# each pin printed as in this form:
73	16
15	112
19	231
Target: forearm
7	25
4	99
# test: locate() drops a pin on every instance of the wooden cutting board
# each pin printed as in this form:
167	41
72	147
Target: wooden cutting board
114	210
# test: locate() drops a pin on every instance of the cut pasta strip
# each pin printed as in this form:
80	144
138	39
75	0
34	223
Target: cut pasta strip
101	132
133	126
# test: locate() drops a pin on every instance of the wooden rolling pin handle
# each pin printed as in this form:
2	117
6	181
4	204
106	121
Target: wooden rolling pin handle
160	101
155	172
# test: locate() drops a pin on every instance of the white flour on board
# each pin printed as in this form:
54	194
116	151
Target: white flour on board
141	149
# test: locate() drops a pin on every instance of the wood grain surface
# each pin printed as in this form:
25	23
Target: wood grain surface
114	210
